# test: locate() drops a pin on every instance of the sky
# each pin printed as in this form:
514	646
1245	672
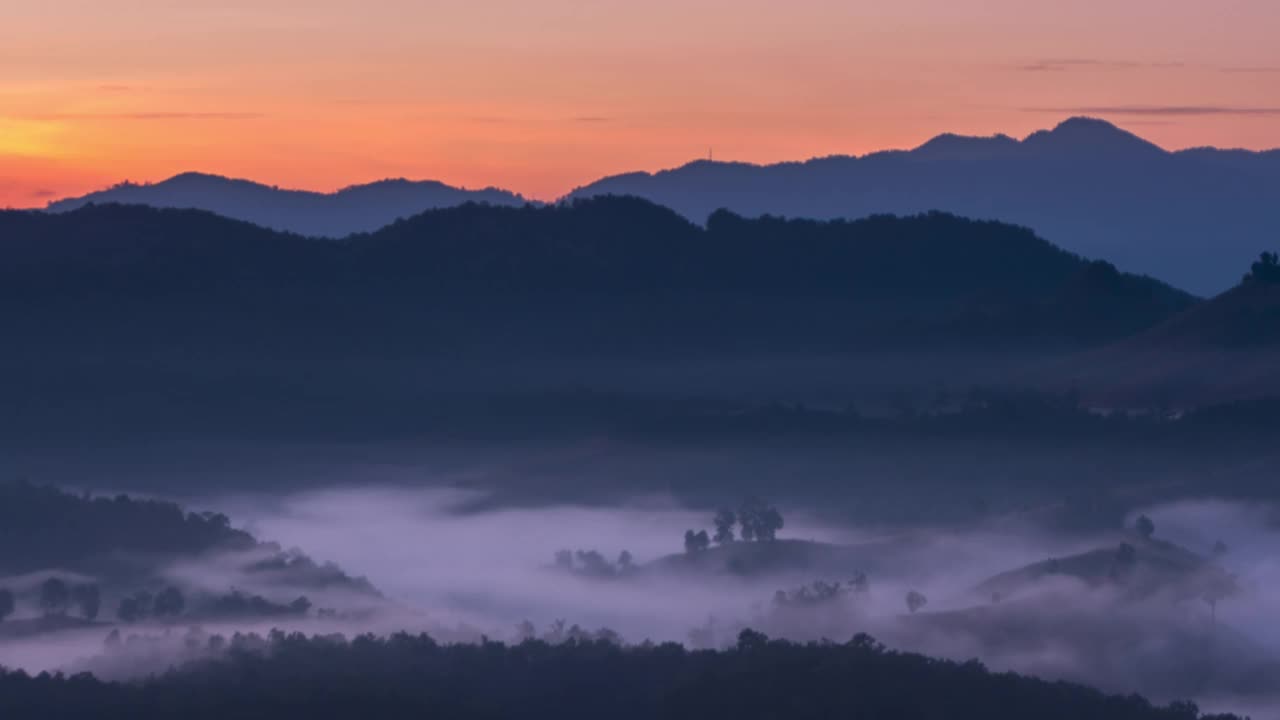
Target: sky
542	97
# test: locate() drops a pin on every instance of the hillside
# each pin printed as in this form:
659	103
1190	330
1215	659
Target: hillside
1226	349
1191	218
1137	567
943	276
359	208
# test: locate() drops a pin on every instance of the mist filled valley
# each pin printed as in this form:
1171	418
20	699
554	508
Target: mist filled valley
498	459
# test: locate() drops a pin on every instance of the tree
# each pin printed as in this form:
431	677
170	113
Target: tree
169	603
564	559
1266	271
127	611
915	601
55	596
758	520
724	522
770	523
1218	586
88	599
1219	549
7	603
860	583
1145	527
695	541
625	562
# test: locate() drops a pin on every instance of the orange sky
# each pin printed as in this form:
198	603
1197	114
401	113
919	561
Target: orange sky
542	96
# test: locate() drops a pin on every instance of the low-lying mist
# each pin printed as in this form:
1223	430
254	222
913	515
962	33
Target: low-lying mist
1115	609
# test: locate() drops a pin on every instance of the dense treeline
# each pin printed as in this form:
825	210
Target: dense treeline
124	542
961	276
292	676
44	527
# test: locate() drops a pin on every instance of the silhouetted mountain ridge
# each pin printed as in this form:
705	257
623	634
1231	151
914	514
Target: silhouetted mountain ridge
939	273
353	209
1191	218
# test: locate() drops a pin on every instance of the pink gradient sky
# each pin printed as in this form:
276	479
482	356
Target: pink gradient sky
540	97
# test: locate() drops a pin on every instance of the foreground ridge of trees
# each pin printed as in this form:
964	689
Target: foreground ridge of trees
294	676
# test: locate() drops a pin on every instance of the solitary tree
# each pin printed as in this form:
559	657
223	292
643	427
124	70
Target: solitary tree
1218	586
564	559
1145	527
169	603
54	597
7	604
860	583
1266	271
724	521
625	562
915	601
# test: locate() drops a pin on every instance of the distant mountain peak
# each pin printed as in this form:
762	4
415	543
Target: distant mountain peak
952	144
1089	134
354	209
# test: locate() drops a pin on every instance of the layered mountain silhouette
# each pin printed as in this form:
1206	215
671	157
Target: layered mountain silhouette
359	208
1224	349
1192	218
927	276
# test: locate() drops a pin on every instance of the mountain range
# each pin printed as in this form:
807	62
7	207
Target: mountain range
1192	218
925	277
360	208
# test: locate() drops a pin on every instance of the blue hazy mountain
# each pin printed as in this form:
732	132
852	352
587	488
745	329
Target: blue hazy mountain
1192	218
360	208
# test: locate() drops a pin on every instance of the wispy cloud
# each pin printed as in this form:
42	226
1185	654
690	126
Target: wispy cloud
591	119
1157	110
1065	64
43	193
1259	69
153	115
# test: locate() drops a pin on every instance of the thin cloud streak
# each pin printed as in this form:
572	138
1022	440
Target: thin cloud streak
1159	110
152	115
1065	64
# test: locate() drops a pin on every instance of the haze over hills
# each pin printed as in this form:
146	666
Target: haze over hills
359	208
1227	348
1192	218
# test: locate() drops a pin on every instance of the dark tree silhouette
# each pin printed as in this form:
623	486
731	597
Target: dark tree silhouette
1266	271
169	603
626	563
696	541
88	599
55	596
860	583
724	522
915	601
564	559
758	520
1145	527
138	606
572	674
1219	549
